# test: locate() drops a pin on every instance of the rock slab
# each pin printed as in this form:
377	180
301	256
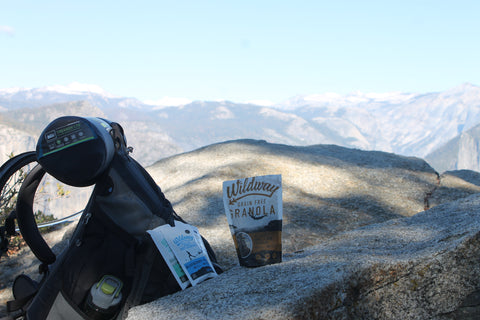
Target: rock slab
421	267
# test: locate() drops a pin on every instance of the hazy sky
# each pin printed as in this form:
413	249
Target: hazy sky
240	50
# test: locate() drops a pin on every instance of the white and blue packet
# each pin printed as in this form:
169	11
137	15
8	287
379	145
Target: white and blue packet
184	252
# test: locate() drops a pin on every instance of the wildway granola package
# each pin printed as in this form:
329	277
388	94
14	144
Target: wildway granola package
254	212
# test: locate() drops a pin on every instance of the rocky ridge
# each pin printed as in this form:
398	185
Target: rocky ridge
355	246
420	267
354	242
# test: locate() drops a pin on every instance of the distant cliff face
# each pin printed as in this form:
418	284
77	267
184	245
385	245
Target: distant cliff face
468	152
462	152
14	141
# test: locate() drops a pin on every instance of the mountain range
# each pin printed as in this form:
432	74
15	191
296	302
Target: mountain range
437	126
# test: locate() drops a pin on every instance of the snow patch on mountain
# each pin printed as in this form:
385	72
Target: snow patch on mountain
268	112
334	99
74	88
167	102
11	91
222	113
78	88
262	103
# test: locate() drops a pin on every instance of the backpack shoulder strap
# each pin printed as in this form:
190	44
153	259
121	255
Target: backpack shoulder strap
8	170
15	163
26	219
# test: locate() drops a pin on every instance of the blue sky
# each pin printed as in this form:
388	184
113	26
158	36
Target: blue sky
240	50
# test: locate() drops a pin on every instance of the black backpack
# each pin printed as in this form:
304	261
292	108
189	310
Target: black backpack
110	239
